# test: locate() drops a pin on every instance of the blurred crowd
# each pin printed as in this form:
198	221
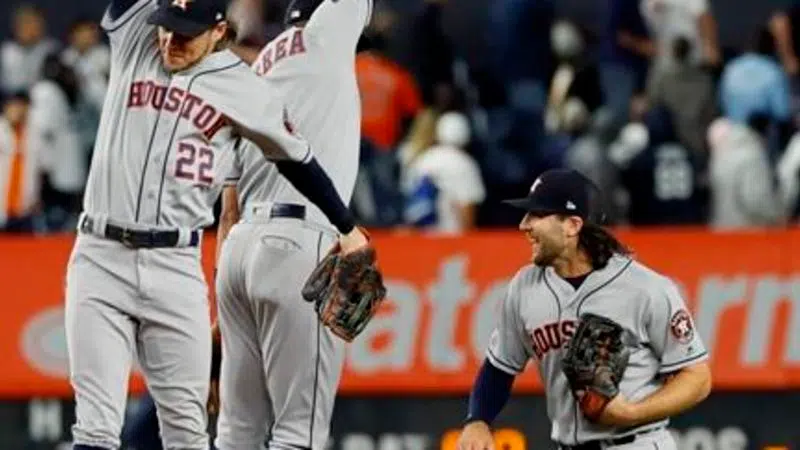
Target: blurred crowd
673	128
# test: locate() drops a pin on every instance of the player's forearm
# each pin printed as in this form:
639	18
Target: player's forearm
490	393
311	180
684	390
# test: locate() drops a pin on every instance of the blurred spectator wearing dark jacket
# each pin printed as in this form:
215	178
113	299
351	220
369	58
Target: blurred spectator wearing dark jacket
523	63
434	56
659	174
576	76
626	53
687	91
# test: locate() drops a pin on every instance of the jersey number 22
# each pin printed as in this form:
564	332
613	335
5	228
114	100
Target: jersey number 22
195	163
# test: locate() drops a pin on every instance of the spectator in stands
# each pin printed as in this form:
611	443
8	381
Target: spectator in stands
693	19
626	53
523	63
22	58
788	173
390	100
687	91
576	77
90	59
744	189
20	164
659	174
588	152
755	84
435	56
785	28
442	184
54	101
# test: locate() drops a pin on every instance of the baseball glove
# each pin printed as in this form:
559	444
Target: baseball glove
595	361
346	290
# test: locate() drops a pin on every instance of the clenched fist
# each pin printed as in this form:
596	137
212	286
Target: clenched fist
476	436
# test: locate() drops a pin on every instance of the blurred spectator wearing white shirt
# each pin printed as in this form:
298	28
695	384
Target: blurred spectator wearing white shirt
745	191
20	174
21	59
692	19
443	184
53	116
90	59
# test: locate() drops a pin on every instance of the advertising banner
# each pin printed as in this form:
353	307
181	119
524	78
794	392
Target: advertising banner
723	422
742	288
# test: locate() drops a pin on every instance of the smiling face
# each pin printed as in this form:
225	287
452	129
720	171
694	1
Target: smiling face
551	236
181	52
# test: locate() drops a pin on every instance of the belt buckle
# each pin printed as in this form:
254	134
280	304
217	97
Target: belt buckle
126	238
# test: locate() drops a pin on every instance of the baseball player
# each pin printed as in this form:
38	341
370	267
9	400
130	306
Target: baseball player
581	272
280	367
177	104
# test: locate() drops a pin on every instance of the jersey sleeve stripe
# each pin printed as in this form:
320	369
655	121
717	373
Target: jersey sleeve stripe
683	363
111	25
505	367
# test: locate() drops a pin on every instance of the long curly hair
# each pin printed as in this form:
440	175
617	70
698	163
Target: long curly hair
600	244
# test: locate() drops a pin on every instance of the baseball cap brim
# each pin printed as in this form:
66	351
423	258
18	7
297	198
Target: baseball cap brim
179	25
530	205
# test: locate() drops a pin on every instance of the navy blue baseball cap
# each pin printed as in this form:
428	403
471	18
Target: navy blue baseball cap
561	191
188	17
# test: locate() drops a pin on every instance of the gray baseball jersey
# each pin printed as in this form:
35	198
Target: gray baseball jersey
281	368
313	68
164	147
164	143
539	316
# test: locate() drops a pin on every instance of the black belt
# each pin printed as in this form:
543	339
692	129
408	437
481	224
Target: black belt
141	238
600	444
287	210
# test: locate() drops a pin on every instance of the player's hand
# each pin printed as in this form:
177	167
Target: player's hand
353	241
476	436
618	412
213	398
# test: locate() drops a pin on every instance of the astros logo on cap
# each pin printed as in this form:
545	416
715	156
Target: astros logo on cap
182	4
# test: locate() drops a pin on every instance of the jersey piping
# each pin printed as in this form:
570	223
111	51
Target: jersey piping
316	367
147	159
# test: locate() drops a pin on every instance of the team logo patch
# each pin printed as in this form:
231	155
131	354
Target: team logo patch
681	326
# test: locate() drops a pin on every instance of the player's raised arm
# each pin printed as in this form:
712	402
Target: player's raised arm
256	111
337	24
